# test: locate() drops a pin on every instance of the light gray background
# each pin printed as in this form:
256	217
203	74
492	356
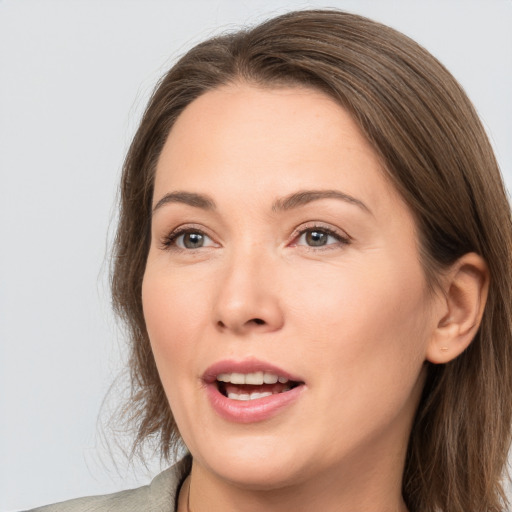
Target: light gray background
74	78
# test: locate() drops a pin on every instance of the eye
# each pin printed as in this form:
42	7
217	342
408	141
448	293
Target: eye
188	239
315	238
191	240
320	237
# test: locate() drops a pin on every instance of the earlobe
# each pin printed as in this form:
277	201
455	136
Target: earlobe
465	293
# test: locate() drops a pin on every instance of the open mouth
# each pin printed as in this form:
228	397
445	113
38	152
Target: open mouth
252	386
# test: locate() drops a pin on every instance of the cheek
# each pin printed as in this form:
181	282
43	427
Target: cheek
366	333
173	318
173	321
371	321
371	293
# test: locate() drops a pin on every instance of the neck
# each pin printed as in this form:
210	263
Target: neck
332	491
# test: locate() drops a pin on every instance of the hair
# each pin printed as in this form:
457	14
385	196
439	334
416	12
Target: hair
434	149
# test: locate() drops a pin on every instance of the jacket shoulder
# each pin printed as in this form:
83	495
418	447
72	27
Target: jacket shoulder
159	496
131	500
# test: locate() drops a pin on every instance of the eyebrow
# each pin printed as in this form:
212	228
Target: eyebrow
190	198
295	200
304	197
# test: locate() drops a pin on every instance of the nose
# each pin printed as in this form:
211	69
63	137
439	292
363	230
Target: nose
248	298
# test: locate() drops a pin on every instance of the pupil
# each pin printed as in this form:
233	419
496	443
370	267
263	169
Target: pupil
316	238
193	240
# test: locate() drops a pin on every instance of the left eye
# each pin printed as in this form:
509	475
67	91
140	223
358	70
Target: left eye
316	237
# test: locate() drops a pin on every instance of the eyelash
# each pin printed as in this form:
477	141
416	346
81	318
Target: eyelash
342	239
169	242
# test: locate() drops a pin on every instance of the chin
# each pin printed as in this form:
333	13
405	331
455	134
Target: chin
256	463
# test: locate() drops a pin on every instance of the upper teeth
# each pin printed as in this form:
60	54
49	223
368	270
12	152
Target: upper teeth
255	378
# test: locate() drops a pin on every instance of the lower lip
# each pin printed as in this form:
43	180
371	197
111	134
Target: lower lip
251	411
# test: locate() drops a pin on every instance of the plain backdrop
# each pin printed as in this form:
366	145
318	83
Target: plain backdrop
74	79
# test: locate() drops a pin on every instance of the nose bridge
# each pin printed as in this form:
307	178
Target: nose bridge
248	290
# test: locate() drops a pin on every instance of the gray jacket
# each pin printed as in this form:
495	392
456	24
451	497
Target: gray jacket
160	495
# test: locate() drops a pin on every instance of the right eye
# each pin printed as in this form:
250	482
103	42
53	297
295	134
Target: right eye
187	239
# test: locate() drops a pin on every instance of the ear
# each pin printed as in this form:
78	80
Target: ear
465	289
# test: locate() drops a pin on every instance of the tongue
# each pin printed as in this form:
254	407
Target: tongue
278	387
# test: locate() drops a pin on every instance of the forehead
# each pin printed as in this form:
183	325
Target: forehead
269	141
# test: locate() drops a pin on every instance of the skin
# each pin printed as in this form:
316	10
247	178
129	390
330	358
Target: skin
353	318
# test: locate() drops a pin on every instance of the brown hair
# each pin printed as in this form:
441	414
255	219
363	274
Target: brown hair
420	122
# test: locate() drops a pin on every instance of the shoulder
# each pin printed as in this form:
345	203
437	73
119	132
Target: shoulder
159	496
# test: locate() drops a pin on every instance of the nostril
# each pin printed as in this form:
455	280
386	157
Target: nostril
236	326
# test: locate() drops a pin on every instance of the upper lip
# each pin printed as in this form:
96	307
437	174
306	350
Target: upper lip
245	366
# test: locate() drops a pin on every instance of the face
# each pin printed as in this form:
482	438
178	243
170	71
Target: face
284	298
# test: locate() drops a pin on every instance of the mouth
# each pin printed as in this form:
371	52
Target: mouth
251	390
254	385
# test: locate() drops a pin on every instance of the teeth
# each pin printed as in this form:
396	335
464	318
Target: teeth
255	378
268	378
246	396
237	378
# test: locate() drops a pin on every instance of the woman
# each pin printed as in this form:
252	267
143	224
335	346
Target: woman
313	257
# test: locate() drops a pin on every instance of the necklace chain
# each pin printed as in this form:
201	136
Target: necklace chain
188	495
